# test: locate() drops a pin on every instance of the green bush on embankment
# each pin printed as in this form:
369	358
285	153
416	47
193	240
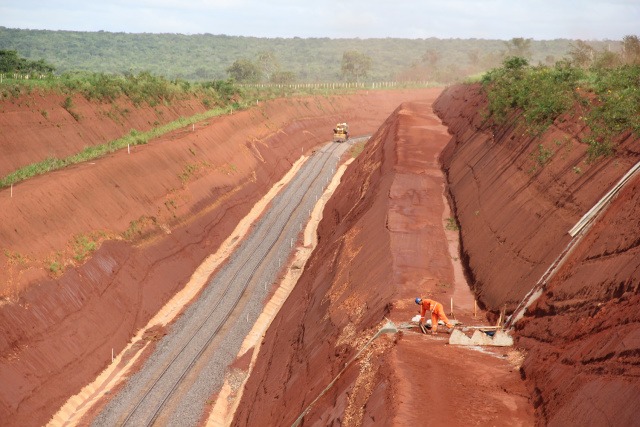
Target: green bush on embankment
540	94
220	97
141	88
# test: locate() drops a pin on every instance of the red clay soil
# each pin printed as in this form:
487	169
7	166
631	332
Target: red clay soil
153	215
591	312
382	242
515	213
36	126
582	336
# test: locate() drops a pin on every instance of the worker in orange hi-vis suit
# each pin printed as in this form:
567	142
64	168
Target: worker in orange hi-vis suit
437	312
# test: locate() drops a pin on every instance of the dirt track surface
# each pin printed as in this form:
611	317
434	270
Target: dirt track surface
382	242
160	211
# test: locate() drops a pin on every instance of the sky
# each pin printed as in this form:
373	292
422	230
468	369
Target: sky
482	19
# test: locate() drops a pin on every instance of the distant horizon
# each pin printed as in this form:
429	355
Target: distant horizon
310	37
334	19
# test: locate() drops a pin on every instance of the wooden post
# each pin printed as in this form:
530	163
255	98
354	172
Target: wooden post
502	315
475	308
12	190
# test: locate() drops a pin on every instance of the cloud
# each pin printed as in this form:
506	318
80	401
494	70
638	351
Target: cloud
502	19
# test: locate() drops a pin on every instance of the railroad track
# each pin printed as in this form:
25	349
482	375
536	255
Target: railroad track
169	389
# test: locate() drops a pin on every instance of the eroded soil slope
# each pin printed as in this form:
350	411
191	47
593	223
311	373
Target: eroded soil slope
91	252
382	242
40	125
582	336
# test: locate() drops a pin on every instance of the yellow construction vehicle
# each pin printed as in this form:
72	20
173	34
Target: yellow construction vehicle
341	132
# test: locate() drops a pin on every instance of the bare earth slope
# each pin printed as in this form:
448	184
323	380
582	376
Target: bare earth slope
36	126
381	243
583	335
160	211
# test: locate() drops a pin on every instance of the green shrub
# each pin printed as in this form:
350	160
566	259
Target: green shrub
452	224
541	94
543	155
83	246
55	267
68	103
618	102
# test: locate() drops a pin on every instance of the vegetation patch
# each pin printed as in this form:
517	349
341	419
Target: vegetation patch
55	267
85	244
68	105
138	227
357	148
227	169
542	94
542	155
90	153
55	264
15	258
452	224
191	170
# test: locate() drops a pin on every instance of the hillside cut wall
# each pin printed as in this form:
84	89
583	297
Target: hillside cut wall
582	336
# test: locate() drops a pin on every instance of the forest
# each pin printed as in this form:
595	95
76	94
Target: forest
206	57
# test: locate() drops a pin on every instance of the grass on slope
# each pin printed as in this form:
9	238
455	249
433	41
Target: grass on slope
132	139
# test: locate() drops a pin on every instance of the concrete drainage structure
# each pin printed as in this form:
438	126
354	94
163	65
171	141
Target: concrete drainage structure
499	338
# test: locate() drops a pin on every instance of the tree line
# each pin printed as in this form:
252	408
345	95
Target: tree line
11	62
208	57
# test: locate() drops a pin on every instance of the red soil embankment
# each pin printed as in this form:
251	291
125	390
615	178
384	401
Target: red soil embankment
582	336
37	126
514	209
160	211
381	243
